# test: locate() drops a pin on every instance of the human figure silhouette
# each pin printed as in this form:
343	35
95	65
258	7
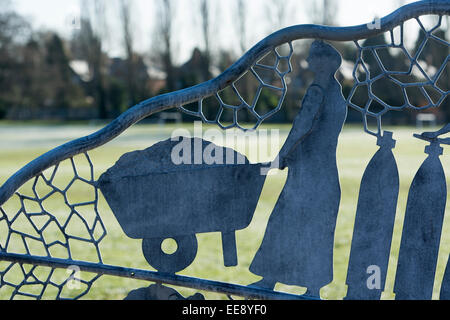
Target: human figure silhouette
297	248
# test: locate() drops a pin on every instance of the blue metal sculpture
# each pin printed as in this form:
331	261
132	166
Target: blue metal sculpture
422	227
298	245
160	292
305	215
149	195
374	223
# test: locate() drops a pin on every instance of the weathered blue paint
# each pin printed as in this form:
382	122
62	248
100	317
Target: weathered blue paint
154	199
422	228
374	224
297	248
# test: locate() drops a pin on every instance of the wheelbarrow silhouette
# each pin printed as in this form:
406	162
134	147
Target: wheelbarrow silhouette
154	199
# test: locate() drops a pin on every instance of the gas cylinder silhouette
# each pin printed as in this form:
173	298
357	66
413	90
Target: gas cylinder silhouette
374	224
422	227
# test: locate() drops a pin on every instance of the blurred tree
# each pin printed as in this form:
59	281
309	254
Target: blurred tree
58	67
225	59
432	57
14	31
126	12
45	84
164	38
279	13
87	45
34	90
241	13
206	21
323	12
117	93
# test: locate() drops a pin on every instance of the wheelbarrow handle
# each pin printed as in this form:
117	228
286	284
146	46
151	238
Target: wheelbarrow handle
440	141
229	249
435	134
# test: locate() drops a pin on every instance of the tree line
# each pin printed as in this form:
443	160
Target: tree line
46	76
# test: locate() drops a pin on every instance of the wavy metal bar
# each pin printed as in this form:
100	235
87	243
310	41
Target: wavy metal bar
171	279
206	89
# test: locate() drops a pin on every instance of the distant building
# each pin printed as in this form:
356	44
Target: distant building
81	68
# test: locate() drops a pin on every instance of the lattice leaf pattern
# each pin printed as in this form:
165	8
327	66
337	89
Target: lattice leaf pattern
57	216
266	77
413	75
372	72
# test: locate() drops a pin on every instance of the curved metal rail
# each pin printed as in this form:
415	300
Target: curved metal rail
158	277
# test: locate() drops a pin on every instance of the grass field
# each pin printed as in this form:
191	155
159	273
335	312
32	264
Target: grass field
20	143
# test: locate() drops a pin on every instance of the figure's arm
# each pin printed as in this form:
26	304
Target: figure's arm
303	123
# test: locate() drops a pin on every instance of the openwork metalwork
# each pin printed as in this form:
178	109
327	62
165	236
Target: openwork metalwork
72	231
413	76
275	81
38	244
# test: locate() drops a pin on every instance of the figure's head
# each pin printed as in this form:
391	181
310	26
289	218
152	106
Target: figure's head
323	58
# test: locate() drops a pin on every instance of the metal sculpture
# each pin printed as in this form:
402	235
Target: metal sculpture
374	223
434	93
422	227
21	266
305	215
51	234
194	94
149	195
280	68
160	292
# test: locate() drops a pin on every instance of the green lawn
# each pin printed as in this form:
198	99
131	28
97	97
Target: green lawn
20	143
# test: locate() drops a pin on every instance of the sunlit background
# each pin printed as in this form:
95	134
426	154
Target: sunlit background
261	18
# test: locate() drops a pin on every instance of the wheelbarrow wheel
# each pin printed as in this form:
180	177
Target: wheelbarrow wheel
171	263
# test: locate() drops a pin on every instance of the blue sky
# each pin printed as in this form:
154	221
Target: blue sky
54	14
